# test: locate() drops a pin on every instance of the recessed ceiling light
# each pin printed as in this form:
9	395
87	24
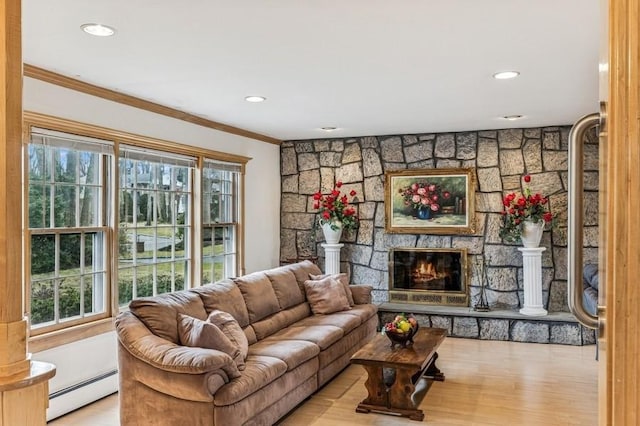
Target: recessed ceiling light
504	75
512	117
255	99
98	30
328	128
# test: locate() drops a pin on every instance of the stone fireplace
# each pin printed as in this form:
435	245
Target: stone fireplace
434	276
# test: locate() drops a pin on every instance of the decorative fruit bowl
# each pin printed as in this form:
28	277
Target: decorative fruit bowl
401	330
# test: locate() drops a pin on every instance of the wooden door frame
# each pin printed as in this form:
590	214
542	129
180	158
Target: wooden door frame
620	213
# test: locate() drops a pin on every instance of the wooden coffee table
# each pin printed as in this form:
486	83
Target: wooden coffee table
399	377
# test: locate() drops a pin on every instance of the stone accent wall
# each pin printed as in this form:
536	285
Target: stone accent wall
500	158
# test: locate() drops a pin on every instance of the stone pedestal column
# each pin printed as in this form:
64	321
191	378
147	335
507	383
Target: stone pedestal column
24	390
332	258
532	277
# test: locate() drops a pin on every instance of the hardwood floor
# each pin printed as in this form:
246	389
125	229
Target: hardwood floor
487	383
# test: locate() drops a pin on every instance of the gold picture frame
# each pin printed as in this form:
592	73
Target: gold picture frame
430	201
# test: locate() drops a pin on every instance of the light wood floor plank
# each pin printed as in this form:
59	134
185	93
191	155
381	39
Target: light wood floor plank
487	383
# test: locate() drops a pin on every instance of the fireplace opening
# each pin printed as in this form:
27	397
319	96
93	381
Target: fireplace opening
428	275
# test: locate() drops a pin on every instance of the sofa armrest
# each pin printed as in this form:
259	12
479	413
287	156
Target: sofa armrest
190	387
162	354
361	293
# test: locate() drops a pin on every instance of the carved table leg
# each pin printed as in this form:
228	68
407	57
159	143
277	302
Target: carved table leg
375	387
434	372
400	395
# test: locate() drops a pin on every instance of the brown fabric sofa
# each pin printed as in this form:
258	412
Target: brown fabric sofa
292	352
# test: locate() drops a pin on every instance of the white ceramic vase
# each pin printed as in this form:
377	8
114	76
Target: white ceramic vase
531	233
332	236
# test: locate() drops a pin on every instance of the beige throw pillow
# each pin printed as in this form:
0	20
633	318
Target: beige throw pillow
197	333
343	279
232	330
326	296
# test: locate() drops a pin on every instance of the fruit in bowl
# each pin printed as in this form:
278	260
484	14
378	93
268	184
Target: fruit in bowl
401	330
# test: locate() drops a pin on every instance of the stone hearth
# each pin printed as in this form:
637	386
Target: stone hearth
559	327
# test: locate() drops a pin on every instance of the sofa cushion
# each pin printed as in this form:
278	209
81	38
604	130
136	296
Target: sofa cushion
259	372
225	296
339	319
258	295
230	327
344	280
361	293
280	320
302	271
285	286
160	313
326	296
363	311
322	335
202	334
293	352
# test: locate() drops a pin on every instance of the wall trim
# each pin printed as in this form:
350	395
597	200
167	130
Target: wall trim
114	96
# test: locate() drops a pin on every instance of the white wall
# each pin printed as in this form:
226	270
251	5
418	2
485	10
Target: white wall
80	361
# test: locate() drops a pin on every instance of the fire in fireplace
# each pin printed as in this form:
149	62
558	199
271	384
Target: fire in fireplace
429	276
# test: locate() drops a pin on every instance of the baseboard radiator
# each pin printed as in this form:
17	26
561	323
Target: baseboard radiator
71	398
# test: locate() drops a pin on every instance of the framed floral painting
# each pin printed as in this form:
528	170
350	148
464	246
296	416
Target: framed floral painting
430	201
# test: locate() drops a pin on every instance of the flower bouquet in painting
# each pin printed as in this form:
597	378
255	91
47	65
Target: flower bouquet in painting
424	198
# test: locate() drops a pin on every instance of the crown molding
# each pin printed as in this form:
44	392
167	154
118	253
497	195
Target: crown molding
111	95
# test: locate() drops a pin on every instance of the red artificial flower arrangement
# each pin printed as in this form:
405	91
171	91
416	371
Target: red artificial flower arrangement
519	208
334	207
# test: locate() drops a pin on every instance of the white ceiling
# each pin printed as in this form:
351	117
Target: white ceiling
369	67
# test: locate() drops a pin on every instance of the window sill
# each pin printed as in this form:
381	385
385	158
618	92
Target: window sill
69	335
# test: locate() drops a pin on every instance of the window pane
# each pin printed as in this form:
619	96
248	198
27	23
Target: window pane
69	295
164	242
180	275
229	239
207	270
207	242
165	278
125	286
141	177
214	209
145	237
218	242
65	206
144	281
90	206
95	292
218	268
69	254
43	261
181	242
126	207
89	165
42	300
36	163
126	247
39	205
65	165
